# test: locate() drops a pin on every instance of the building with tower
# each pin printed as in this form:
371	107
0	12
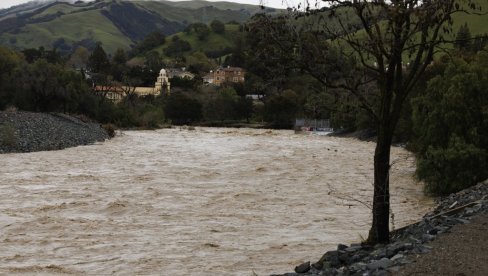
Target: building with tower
116	93
162	83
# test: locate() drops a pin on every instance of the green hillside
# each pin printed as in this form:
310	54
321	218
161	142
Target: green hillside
197	4
72	27
114	23
213	42
60	8
478	24
185	15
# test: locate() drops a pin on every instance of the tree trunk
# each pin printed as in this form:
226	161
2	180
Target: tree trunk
380	232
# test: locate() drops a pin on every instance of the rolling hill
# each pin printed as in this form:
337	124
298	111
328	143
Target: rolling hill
114	23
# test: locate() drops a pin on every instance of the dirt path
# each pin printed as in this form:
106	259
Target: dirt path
462	251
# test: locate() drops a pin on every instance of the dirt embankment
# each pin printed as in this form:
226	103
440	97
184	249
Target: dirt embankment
28	131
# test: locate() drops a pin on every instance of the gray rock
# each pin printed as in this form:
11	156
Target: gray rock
379	253
303	268
463	221
383	264
329	271
397	257
392	249
357	267
427	237
380	273
353	248
332	257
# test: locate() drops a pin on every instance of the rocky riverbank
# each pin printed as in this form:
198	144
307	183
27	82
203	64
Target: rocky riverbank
28	131
406	243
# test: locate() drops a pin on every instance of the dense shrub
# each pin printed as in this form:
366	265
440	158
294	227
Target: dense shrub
280	110
450	169
451	127
217	26
110	129
181	109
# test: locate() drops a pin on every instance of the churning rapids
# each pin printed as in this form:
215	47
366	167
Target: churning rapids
204	202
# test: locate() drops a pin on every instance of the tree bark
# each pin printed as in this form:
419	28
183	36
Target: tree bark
380	230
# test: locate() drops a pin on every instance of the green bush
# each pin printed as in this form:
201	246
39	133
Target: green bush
182	109
280	110
110	129
451	169
8	137
450	121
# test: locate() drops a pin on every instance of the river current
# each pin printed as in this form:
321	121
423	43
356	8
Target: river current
208	201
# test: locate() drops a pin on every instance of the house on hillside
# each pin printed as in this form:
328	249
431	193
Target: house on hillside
116	93
225	74
209	78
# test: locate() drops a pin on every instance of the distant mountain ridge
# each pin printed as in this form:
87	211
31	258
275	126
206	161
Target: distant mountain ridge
115	23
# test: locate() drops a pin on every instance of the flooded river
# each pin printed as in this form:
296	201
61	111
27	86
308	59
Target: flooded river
203	202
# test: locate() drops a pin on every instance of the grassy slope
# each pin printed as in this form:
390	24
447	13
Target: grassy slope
197	4
166	11
72	27
214	41
60	7
180	14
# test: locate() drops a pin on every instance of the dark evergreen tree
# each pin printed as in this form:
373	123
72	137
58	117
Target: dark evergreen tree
98	61
463	38
119	57
201	30
217	26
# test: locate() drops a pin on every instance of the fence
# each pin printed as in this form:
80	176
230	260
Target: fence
313	125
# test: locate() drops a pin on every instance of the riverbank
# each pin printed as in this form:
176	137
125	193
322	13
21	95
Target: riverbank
459	243
29	131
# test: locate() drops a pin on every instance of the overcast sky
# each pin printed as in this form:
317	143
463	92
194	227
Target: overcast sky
270	3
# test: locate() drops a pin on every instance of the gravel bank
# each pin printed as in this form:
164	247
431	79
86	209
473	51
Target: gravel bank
28	131
461	245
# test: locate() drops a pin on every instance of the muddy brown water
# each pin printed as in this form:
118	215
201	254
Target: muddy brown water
201	202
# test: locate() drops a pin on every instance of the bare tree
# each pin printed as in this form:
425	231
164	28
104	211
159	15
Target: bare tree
350	45
129	89
103	85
